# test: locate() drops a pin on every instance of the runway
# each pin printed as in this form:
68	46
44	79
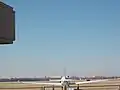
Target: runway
108	85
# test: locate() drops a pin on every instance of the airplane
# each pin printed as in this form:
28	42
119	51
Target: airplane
64	82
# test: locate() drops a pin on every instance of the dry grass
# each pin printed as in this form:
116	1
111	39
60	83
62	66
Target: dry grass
98	86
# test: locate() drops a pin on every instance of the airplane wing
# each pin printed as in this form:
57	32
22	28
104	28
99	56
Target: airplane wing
40	83
60	80
84	82
55	80
69	80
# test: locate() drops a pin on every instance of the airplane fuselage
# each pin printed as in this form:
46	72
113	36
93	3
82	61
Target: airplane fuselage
65	83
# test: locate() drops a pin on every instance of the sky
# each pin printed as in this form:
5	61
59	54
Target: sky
82	36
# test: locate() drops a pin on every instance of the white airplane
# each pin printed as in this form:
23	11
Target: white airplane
64	82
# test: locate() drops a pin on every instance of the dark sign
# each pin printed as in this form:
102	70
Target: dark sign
7	24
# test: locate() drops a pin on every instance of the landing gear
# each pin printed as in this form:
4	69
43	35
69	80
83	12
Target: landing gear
43	88
62	88
78	88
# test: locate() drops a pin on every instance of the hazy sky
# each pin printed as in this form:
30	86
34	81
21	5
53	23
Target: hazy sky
81	35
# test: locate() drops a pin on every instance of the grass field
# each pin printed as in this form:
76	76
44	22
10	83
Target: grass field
107	85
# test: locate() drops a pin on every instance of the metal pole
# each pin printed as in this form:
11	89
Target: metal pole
43	87
118	87
64	87
53	87
78	87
